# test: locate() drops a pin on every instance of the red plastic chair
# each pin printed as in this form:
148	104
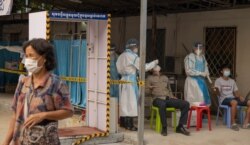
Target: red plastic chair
199	110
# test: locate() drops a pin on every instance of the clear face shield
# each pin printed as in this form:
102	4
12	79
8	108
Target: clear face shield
112	50
136	50
199	49
133	47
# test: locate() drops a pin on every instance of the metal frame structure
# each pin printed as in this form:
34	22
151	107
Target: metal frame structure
99	31
143	38
72	37
132	7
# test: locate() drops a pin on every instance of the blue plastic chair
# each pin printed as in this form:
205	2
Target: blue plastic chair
227	114
241	114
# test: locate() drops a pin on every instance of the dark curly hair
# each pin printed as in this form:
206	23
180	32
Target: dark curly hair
225	65
44	48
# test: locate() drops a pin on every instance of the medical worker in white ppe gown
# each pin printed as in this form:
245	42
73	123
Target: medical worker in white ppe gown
196	90
128	64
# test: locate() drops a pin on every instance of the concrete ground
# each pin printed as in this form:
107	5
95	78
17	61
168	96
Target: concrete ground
220	135
5	114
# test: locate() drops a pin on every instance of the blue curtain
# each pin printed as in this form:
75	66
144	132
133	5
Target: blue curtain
7	78
71	54
62	52
114	88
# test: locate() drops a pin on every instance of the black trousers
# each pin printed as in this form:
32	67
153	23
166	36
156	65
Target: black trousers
170	102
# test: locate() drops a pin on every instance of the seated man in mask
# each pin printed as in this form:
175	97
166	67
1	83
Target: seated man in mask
158	87
228	91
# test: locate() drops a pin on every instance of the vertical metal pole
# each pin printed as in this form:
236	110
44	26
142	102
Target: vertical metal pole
154	35
26	5
143	33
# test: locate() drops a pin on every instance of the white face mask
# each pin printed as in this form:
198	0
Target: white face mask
32	65
136	50
226	73
157	68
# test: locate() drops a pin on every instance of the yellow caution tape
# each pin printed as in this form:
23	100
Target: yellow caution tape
70	79
12	71
120	82
115	82
74	79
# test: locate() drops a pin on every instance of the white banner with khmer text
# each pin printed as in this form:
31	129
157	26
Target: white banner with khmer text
5	7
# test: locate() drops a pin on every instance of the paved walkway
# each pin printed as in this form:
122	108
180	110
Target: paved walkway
5	114
220	135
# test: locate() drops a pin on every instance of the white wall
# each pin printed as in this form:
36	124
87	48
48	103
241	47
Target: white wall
132	30
190	27
37	25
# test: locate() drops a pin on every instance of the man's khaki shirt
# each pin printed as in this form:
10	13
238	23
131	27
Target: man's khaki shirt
158	86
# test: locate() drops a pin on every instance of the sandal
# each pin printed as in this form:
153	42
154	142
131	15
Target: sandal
235	127
246	126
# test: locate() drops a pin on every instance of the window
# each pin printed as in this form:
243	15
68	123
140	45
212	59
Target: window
220	45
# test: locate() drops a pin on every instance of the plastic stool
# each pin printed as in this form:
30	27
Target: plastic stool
199	110
158	125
